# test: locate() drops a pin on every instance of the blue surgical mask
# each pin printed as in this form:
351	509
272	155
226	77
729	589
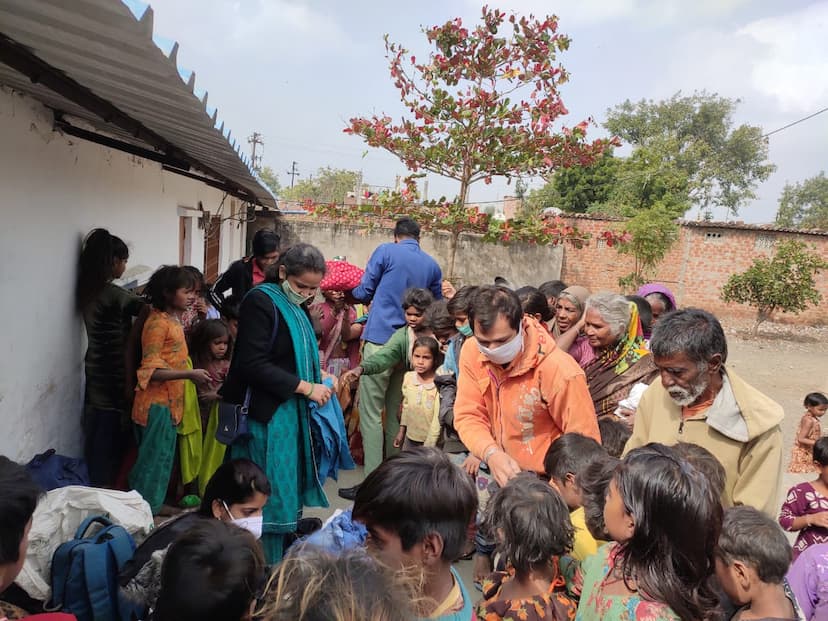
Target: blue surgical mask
465	330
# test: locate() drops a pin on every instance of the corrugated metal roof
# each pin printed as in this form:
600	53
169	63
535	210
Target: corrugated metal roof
108	49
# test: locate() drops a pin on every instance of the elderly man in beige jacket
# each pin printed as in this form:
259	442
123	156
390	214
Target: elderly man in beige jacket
698	400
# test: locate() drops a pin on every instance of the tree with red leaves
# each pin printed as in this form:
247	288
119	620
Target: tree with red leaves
483	105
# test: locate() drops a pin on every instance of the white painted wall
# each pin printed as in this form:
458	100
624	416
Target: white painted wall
53	190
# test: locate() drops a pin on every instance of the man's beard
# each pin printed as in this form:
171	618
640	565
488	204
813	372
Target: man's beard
685	397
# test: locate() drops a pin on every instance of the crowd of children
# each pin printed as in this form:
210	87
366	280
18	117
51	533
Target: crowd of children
599	534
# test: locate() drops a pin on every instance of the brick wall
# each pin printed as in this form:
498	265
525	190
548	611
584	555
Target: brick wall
697	266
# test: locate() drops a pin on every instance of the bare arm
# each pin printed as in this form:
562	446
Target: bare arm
805	427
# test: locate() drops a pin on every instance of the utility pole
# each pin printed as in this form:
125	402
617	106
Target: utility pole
293	172
255	159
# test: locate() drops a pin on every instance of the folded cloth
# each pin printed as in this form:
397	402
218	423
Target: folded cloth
341	276
330	440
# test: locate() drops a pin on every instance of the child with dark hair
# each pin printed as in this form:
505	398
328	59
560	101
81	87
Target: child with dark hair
665	519
108	311
531	524
211	348
159	395
230	315
614	435
417	506
809	431
201	307
594	481
551	289
535	304
421	400
213	572
313	585
459	307
565	461
806	505
705	462
752	559
395	354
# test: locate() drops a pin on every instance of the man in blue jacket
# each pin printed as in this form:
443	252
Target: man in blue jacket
391	270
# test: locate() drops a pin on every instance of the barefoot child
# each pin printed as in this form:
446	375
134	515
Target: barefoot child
159	396
531	523
806	506
421	401
752	559
808	433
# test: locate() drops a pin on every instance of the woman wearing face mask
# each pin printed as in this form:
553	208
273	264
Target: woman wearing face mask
276	359
236	493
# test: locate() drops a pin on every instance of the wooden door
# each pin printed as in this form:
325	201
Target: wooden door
212	246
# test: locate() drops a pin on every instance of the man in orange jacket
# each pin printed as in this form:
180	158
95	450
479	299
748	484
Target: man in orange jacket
516	391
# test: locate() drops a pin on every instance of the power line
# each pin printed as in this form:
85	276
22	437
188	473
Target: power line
797	122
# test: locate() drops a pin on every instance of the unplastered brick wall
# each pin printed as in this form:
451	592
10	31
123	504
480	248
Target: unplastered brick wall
697	266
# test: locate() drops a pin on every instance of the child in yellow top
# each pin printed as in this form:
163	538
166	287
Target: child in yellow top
421	399
565	460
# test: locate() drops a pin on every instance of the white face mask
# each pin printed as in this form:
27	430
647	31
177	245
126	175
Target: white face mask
253	524
506	352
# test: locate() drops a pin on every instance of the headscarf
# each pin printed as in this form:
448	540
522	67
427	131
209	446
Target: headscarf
630	347
580	294
654	287
612	375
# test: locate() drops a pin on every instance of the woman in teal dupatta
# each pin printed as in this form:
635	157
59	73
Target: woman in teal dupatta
280	365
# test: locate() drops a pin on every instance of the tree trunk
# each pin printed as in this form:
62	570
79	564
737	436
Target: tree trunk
455	234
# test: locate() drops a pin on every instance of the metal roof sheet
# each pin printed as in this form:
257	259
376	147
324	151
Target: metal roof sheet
108	48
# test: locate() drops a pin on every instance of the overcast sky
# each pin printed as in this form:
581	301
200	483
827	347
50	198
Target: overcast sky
296	70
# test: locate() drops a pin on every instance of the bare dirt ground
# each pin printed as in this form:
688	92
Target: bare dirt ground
785	363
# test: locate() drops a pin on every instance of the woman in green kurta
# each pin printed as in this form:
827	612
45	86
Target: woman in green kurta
281	368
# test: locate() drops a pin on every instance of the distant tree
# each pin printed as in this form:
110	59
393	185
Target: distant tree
804	205
329	185
268	176
784	282
651	234
579	187
695	136
483	104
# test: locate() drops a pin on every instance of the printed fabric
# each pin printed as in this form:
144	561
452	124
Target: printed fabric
554	605
164	347
804	499
598	605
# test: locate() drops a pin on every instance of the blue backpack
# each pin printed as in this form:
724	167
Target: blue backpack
85	572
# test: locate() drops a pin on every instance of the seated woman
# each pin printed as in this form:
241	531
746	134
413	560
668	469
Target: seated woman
622	360
236	493
569	323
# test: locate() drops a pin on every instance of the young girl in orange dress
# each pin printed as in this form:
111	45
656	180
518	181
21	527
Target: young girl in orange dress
159	395
802	458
